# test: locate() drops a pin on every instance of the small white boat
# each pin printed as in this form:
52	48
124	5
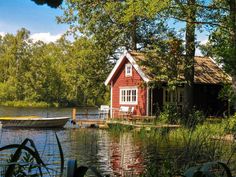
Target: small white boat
34	122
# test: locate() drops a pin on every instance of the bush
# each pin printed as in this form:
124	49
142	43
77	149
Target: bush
170	115
194	118
231	126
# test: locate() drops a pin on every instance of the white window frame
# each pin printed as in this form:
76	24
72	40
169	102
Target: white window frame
128	91
128	74
173	94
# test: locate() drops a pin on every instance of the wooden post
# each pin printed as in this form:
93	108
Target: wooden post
86	113
74	115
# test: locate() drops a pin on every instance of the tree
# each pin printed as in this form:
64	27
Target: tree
222	40
66	73
112	24
14	51
51	3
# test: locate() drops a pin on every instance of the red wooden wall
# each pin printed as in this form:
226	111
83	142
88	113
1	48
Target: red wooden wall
119	80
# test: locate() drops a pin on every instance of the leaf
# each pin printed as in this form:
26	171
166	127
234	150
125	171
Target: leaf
61	154
16	156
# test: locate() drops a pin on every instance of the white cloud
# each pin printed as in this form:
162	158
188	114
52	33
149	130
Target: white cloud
45	37
2	33
202	42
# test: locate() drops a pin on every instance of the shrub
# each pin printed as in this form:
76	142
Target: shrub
170	115
194	118
231	125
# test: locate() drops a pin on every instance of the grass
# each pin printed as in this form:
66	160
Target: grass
187	147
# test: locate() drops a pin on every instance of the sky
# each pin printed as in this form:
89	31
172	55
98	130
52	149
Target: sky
40	20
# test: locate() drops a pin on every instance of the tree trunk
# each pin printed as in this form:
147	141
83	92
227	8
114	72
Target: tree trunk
232	5
134	34
189	58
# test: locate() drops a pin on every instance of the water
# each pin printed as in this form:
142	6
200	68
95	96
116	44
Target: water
111	153
116	156
43	112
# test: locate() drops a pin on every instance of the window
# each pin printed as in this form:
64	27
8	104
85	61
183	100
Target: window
171	97
128	70
129	95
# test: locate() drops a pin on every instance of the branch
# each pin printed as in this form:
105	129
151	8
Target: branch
199	22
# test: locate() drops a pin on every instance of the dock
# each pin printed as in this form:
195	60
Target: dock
102	120
91	123
140	125
89	119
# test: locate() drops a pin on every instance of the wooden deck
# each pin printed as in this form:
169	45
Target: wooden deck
90	122
140	125
102	120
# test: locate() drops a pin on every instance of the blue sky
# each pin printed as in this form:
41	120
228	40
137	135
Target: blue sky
39	20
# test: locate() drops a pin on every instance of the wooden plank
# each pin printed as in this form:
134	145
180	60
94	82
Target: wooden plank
90	122
143	125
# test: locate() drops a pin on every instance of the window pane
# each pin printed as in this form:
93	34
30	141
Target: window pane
128	95
128	70
174	96
181	96
134	95
123	95
167	96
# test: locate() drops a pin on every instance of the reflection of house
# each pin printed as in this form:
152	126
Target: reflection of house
127	78
126	156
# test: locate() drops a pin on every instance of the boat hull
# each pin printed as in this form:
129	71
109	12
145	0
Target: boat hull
55	122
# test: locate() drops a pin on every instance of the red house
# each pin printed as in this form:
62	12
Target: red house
126	83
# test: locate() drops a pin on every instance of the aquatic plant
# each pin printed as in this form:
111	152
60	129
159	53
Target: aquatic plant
23	165
26	161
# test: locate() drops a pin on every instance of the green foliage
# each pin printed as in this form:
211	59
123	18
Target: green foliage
54	3
170	115
227	93
114	24
62	73
164	59
28	104
195	117
221	44
231	125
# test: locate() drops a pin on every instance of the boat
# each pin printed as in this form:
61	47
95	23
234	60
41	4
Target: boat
34	122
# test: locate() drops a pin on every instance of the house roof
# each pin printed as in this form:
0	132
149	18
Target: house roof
206	70
131	59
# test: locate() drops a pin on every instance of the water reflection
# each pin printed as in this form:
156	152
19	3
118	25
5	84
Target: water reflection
112	155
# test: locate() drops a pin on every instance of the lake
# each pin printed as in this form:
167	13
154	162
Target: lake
114	154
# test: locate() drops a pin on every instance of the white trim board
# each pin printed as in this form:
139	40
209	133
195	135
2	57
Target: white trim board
133	63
